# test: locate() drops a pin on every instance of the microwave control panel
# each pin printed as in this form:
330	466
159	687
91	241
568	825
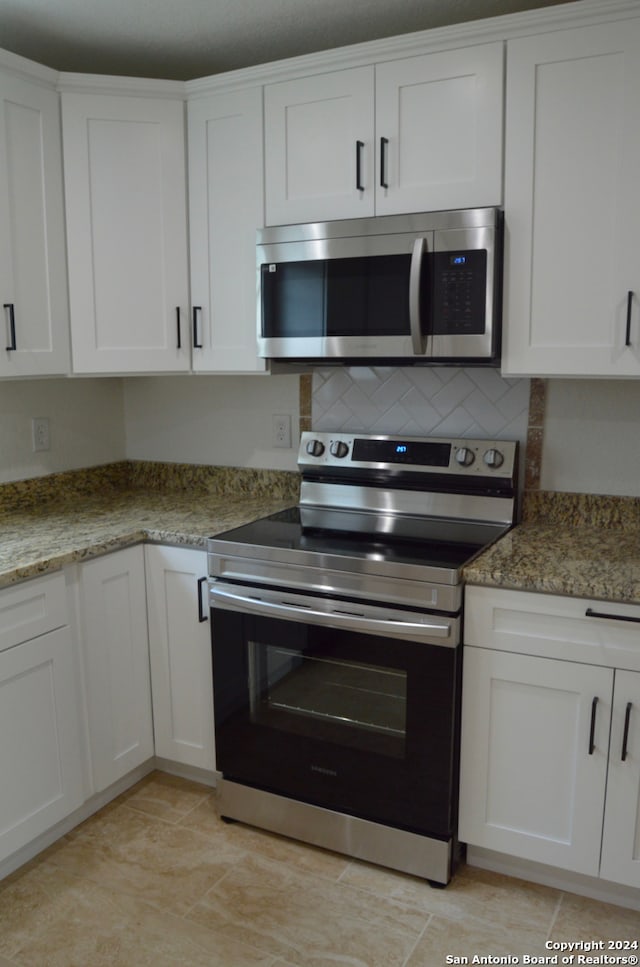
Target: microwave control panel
459	292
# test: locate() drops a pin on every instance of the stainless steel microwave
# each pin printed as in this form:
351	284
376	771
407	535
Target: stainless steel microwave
403	289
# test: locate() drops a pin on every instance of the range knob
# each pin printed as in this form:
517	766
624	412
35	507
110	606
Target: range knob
338	448
493	458
465	456
315	448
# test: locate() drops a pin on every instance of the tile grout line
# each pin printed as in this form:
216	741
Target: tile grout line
418	939
185	918
213	886
555	915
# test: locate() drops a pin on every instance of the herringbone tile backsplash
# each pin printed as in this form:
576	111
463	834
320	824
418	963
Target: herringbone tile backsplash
421	401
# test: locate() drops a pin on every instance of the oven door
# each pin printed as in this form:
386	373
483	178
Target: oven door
340	704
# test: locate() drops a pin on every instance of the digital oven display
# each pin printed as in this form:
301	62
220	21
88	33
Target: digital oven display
417	453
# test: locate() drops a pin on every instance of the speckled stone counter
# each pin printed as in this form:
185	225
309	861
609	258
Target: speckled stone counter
581	545
56	520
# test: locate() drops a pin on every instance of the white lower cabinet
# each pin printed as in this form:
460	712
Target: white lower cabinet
114	642
550	757
40	746
91	672
180	654
621	836
526	762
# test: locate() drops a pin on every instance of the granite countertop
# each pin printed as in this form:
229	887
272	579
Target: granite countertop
580	545
76	523
573	544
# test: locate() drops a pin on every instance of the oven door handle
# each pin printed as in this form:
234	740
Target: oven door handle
390	627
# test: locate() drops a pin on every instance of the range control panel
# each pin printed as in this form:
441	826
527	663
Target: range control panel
423	454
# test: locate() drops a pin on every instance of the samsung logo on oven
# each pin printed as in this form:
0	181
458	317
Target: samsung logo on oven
323	771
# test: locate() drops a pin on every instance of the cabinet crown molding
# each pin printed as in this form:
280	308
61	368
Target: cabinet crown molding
11	63
471	33
72	83
488	30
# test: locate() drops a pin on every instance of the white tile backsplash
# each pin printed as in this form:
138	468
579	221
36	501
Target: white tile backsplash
420	401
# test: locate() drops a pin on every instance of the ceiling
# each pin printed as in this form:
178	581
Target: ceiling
184	39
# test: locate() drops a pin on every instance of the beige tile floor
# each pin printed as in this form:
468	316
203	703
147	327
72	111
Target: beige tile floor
157	879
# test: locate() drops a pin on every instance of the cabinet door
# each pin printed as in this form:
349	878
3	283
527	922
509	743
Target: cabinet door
33	271
531	783
116	655
180	652
621	839
441	116
572	206
225	209
40	750
318	133
125	187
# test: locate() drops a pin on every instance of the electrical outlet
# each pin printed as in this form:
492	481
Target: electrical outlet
281	430
40	433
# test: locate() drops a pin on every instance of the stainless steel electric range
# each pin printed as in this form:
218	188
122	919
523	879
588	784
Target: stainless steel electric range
336	636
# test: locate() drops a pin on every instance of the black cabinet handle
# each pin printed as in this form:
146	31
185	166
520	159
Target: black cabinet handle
202	616
12	326
196	343
627	340
592	731
383	162
590	613
625	736
359	147
179	343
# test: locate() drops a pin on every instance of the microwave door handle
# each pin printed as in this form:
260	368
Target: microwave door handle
418	340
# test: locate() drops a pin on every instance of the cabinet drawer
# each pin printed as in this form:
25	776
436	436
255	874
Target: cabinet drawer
32	608
552	626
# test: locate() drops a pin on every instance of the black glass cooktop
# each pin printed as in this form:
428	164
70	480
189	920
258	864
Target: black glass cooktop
418	541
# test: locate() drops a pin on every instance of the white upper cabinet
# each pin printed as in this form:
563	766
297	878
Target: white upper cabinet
421	133
125	181
33	272
572	205
441	115
225	209
319	143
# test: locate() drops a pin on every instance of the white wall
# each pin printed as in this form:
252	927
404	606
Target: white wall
224	420
86	422
591	440
592	437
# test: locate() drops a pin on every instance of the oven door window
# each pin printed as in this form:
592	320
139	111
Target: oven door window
304	691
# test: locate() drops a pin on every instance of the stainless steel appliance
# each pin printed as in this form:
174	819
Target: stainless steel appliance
337	647
422	288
